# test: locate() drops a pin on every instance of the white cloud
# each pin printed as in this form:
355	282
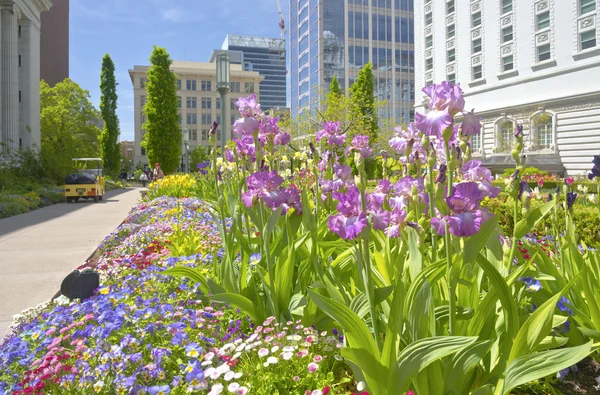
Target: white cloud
174	15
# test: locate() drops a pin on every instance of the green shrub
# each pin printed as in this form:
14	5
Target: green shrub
528	171
585	218
10	206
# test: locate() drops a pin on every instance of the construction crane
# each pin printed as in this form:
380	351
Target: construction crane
281	21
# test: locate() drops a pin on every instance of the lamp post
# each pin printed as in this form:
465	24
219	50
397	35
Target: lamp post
186	139
223	87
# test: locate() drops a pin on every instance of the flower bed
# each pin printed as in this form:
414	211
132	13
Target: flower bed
144	332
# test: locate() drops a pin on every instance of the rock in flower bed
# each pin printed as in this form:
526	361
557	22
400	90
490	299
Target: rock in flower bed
146	333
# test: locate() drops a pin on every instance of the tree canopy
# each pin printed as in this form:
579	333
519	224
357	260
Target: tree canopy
362	98
109	138
163	139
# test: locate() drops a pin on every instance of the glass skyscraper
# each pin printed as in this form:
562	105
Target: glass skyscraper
338	37
268	57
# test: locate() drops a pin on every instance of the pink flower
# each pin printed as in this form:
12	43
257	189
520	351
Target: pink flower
312	367
296	378
540	182
570	180
318	358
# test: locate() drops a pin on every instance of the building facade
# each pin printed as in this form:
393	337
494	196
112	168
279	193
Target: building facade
535	63
267	56
127	149
199	101
338	37
20	74
55	43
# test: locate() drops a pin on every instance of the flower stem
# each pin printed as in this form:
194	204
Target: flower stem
448	242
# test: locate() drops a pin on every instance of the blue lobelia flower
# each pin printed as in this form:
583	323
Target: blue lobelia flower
562	305
532	284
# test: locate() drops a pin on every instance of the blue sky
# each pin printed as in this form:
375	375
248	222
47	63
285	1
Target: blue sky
127	30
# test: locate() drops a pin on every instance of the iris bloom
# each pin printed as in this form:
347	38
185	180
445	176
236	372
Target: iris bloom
265	186
360	143
595	172
331	131
248	106
433	123
351	219
471	124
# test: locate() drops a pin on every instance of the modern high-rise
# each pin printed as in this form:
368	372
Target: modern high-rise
54	65
199	101
535	63
267	56
20	74
338	37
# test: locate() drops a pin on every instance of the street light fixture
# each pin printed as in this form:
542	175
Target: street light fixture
223	82
186	139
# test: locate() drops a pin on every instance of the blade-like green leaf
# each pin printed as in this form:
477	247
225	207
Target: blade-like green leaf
189	273
375	373
475	244
550	342
284	273
272	222
525	225
355	329
416	356
415	261
242	303
394	327
535	366
461	364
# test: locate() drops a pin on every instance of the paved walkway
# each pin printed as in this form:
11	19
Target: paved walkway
38	249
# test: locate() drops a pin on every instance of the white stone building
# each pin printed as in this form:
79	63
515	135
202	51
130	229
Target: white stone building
535	62
20	74
199	100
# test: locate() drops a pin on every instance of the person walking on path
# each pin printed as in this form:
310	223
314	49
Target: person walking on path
158	173
143	179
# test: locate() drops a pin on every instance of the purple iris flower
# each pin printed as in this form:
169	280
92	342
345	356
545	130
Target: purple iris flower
348	228
281	138
402	138
571	197
248	106
360	143
229	155
441	176
396	220
404	186
265	186
467	216
471	124
245	147
342	172
446	96
292	200
331	130
474	171
384	186
433	123
595	172
380	218
519	131
246	126
213	128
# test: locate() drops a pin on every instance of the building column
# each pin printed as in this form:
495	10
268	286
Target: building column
9	76
29	85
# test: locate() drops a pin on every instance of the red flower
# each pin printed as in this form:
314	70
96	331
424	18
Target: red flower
326	390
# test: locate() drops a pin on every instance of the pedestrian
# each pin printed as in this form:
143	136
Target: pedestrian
143	179
123	177
158	173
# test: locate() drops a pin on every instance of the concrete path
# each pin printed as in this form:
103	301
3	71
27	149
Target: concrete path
38	249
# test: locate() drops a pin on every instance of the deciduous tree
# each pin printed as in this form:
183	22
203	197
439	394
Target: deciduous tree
163	139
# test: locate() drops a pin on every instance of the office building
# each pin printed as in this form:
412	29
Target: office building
199	100
267	56
20	74
535	63
338	37
54	63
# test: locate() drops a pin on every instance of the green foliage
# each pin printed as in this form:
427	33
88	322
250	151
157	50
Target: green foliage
362	98
109	138
336	103
68	127
200	154
163	139
528	171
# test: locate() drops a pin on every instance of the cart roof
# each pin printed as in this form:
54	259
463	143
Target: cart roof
90	159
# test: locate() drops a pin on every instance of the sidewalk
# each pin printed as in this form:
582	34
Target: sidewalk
38	249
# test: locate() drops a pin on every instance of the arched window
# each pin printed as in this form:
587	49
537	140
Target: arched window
542	126
505	134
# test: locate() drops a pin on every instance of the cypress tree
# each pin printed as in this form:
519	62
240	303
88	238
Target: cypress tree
110	148
163	139
362	99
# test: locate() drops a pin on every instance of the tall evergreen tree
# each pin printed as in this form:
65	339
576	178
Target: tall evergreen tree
362	98
163	139
109	138
335	103
334	87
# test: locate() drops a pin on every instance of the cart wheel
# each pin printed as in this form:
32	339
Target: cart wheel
101	197
69	199
96	199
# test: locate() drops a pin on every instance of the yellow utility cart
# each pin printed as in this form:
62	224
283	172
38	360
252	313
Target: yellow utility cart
87	183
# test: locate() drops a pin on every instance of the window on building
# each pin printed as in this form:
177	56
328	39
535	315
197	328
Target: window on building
19	96
249	87
235	87
450	6
19	60
219	119
543	53
543	131
190	85
206	119
429	64
142	83
451	55
428	18
586	6
143	151
218	103
206	103
588	39
507	63
428	41
507	34
506	129
192	119
179	118
476	143
506	6
451	31
191	102
219	135
204	134
476	19
178	102
477	73
206	86
451	78
194	133
232	105
543	20
476	45
178	84
142	101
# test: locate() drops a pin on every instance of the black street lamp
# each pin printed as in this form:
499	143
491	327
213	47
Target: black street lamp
223	82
